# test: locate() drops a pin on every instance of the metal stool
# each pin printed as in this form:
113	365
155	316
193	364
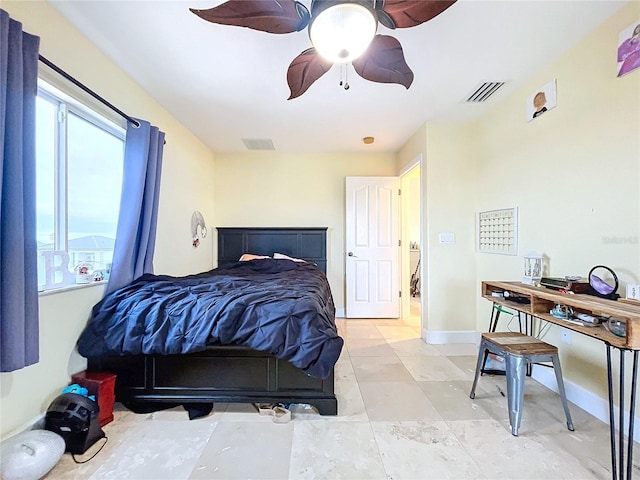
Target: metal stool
519	350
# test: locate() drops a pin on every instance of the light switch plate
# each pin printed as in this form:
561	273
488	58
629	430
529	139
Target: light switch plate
447	238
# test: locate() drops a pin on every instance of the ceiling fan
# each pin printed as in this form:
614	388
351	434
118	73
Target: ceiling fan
341	31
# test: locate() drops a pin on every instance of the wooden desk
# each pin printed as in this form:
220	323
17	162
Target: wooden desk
541	301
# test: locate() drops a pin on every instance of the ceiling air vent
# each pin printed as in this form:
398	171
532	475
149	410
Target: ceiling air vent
258	144
484	91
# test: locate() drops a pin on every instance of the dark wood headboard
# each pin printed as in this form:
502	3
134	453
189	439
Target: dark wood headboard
309	244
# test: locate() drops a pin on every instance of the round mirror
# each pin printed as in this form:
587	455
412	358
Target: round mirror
603	280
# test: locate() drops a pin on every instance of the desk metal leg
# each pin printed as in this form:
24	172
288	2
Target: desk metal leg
621	412
612	423
493	324
617	461
632	415
528	324
495	316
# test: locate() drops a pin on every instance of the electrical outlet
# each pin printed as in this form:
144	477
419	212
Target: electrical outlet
565	336
633	292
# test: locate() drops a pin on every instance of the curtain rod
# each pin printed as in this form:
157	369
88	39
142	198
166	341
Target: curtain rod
88	90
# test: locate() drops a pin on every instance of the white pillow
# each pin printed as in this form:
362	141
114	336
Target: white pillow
282	256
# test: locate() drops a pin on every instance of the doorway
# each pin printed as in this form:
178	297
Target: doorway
412	257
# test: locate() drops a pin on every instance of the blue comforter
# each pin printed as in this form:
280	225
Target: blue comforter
280	307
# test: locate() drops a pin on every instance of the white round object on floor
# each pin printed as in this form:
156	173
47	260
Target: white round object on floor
30	455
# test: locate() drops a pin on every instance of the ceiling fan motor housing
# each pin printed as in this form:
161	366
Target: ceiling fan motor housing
341	30
375	6
318	6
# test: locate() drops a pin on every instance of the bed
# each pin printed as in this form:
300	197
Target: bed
230	372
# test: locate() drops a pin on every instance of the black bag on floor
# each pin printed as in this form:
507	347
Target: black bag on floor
75	418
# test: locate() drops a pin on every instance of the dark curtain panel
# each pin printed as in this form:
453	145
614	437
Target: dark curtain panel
136	233
18	259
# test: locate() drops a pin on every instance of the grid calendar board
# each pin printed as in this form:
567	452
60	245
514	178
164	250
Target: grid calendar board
498	231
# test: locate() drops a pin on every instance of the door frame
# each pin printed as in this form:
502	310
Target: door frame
405	284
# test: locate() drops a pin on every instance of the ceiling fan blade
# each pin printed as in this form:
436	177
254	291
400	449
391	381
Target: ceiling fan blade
272	16
409	13
305	69
384	62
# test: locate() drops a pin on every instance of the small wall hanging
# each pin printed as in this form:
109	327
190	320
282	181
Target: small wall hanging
197	220
629	49
542	100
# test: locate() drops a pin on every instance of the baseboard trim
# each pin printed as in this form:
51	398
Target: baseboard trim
583	398
450	336
36	423
340	313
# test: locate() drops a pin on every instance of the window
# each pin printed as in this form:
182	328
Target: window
79	161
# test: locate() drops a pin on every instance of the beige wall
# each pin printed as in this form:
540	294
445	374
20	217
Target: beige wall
413	215
269	189
448	271
187	181
415	147
574	174
450	178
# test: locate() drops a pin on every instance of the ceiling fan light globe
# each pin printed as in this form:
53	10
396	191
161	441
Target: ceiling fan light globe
341	33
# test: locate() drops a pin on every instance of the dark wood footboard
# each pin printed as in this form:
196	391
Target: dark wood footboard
218	374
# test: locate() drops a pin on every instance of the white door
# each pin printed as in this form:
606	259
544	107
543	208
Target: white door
372	250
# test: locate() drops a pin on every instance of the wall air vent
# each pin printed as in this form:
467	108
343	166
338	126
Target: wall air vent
258	143
484	91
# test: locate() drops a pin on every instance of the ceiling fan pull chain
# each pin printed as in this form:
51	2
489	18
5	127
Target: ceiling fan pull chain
346	77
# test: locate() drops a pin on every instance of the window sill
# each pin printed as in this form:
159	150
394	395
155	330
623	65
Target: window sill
68	288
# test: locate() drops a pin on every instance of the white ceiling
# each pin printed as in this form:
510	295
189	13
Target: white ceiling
227	83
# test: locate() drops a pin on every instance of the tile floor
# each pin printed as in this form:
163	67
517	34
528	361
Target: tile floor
404	413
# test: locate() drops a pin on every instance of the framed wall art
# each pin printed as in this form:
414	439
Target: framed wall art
498	231
542	100
629	49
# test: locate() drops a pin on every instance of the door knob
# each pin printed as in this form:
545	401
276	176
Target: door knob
352	255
